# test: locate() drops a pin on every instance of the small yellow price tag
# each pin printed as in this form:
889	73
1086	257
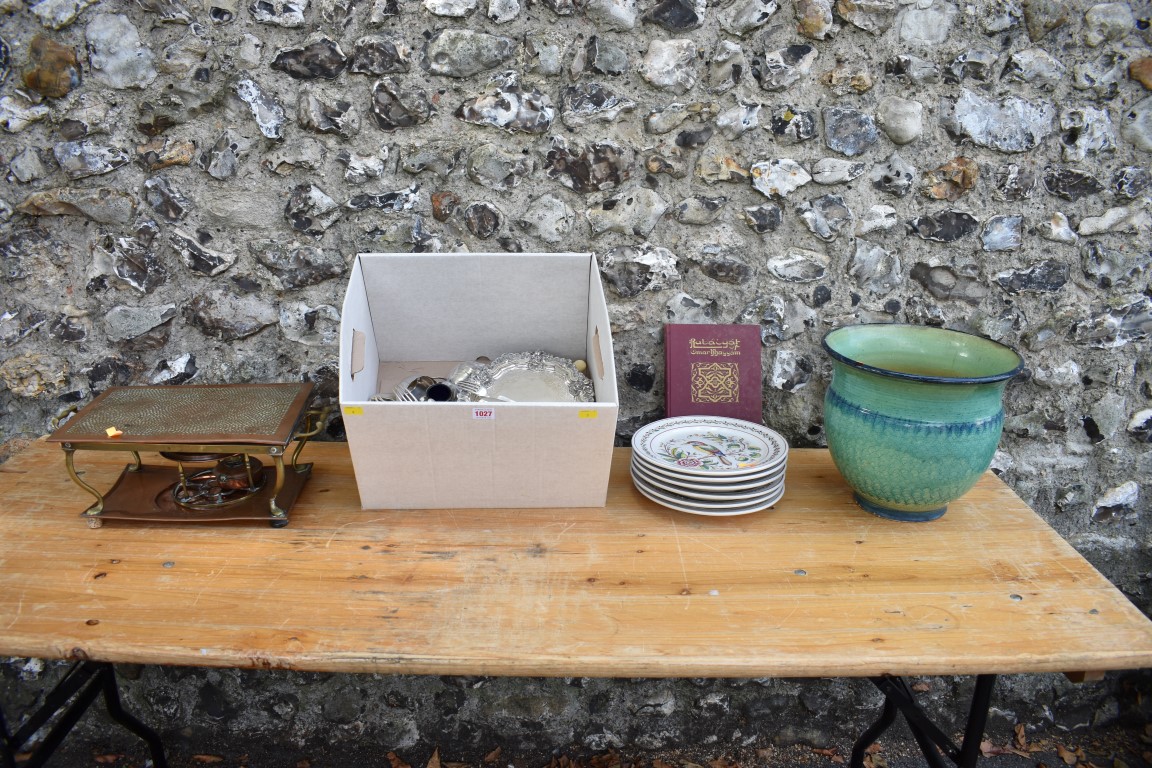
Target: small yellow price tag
353	410
589	414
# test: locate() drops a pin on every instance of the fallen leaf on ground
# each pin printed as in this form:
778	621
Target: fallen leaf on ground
305	763
605	760
1066	755
723	762
831	754
921	687
396	762
106	759
207	759
492	756
1021	737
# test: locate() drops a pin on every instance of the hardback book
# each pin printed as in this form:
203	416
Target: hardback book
713	370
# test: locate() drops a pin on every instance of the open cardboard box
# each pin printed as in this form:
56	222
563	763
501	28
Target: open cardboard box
407	314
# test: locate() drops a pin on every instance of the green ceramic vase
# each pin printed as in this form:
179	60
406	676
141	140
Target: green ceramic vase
913	414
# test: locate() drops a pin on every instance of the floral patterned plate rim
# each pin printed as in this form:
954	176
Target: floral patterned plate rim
701	508
662	476
709	494
664	469
710	445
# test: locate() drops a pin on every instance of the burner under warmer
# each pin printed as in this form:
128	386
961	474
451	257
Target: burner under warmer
234	478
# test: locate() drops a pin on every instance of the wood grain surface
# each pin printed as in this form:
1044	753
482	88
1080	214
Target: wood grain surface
813	587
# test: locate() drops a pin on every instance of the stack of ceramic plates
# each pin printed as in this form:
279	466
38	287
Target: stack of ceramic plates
709	465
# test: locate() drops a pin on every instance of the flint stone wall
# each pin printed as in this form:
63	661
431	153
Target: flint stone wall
185	182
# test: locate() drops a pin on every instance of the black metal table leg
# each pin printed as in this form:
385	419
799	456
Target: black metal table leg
64	706
933	742
117	712
977	720
7	759
869	737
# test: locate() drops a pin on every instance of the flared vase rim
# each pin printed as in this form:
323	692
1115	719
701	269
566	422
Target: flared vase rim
925	378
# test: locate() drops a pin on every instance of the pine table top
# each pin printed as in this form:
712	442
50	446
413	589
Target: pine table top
814	587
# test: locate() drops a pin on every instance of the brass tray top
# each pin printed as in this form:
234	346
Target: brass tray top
251	414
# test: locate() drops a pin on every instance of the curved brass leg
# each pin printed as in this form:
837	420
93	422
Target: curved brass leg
302	438
274	508
135	466
70	463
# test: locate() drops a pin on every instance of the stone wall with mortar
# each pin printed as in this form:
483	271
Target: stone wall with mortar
185	181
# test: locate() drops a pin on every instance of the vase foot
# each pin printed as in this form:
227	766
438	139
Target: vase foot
899	514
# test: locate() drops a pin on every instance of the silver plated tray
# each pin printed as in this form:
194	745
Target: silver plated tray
527	377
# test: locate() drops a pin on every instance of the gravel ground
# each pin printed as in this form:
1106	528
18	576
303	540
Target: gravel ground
1112	747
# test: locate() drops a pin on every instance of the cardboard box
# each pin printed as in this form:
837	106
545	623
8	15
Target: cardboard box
423	313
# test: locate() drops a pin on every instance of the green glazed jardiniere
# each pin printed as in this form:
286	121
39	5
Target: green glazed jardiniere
913	414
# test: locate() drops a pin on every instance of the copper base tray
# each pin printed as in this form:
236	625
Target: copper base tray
146	494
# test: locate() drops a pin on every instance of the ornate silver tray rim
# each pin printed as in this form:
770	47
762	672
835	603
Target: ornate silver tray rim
570	384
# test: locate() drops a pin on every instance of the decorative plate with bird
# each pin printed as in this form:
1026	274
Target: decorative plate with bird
710	445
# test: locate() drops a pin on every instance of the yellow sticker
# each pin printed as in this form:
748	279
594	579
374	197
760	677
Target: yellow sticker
353	410
589	414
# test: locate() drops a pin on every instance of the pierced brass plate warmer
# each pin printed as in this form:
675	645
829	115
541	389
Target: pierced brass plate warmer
212	435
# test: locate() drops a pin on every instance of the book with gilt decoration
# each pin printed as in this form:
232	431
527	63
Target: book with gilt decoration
713	370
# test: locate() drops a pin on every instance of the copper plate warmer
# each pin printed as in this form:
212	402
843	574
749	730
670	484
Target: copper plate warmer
212	434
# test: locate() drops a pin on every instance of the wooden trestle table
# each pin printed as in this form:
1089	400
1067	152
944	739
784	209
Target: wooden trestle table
814	587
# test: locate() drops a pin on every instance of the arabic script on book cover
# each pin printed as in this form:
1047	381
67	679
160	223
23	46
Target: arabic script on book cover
713	370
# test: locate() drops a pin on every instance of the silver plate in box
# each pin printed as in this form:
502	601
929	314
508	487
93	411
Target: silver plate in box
529	377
